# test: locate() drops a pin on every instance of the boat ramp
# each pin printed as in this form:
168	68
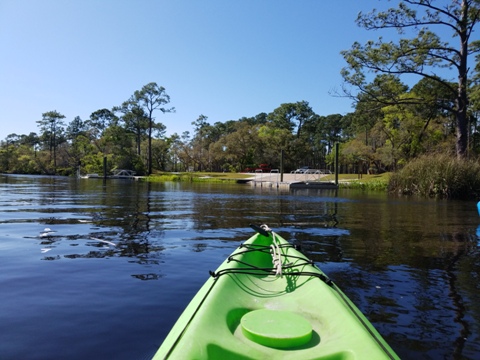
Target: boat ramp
290	181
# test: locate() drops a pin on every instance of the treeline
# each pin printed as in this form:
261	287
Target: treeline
129	137
375	137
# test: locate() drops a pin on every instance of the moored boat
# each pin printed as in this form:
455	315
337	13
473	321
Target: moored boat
268	301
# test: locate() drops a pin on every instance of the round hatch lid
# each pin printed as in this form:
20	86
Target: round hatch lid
276	328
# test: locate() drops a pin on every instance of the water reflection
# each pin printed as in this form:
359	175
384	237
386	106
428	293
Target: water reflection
412	266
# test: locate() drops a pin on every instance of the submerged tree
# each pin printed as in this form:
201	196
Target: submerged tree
422	54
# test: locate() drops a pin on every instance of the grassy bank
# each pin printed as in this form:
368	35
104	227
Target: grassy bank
197	177
351	181
364	182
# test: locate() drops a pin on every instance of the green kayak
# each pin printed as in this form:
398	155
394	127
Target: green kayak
268	301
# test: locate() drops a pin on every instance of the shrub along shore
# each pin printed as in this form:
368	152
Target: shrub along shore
438	176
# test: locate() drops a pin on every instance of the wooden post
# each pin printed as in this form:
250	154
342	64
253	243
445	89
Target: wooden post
104	167
281	166
336	163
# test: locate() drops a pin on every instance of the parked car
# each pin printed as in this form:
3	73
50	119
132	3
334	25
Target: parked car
302	170
262	168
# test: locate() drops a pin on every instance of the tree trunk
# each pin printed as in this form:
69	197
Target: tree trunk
150	146
54	154
462	99
139	143
462	135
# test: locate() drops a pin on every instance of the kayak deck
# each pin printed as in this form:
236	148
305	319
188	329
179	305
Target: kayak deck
247	311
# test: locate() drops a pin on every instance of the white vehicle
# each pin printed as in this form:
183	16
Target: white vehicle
302	170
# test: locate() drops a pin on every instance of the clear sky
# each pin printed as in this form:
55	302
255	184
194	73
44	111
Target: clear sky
225	59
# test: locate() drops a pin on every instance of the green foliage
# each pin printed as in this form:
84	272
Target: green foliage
52	128
291	116
150	98
438	176
419	55
92	163
394	124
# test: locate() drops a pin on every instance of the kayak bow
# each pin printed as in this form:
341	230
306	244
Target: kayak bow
249	309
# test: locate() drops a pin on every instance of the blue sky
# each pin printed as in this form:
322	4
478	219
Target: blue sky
225	59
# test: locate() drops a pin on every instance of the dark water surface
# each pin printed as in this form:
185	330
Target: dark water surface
102	270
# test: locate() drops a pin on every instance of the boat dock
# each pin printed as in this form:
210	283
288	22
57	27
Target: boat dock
290	181
117	174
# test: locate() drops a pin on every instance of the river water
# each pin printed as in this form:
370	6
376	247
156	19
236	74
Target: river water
101	270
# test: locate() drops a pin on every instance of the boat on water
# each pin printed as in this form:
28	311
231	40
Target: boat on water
90	176
268	301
